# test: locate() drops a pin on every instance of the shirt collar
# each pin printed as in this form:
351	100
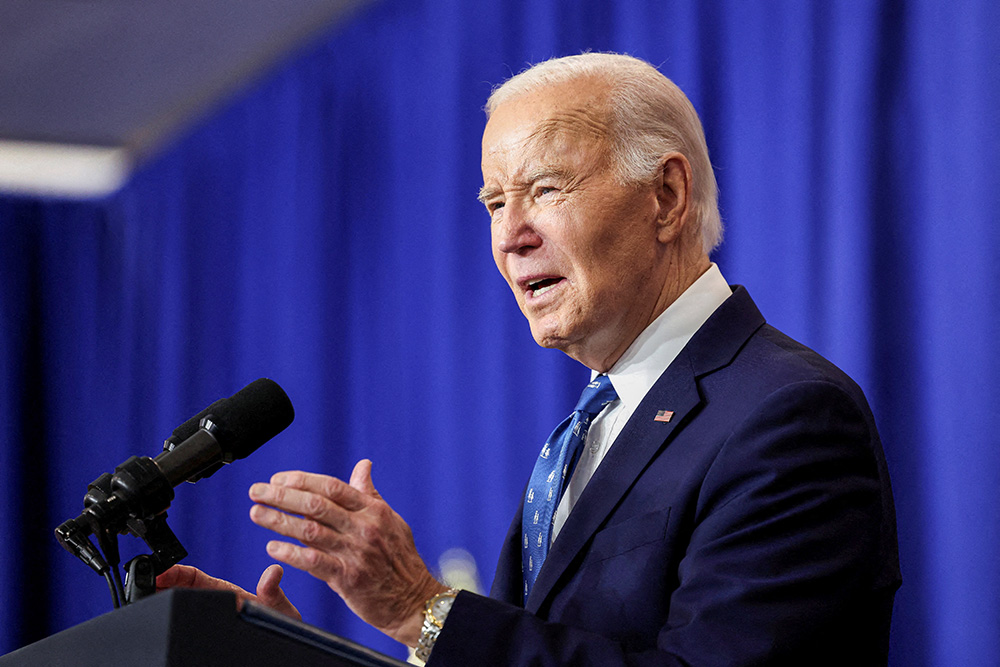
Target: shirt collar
634	374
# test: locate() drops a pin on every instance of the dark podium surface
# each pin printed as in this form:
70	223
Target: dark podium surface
185	627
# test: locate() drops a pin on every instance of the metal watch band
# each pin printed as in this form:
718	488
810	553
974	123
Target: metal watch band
433	622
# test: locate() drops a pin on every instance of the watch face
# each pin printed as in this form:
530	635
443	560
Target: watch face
442	606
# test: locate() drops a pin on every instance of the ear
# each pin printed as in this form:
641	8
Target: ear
673	194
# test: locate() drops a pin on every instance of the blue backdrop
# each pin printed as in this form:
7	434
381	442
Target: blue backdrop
322	230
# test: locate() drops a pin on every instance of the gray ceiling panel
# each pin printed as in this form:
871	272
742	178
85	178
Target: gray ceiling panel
127	75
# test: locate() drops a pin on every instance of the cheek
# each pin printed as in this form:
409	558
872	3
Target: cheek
612	269
628	241
498	258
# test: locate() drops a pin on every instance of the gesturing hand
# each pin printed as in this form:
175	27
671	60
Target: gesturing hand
351	539
269	592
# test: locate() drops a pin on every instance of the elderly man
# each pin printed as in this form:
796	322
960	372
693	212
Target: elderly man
720	495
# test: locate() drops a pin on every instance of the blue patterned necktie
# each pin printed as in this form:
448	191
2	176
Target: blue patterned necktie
552	471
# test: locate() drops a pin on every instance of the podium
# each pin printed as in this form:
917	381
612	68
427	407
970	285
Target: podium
192	628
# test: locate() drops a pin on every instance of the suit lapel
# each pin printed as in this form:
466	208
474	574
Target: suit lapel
508	582
713	346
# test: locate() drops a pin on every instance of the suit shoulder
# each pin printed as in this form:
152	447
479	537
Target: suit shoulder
776	359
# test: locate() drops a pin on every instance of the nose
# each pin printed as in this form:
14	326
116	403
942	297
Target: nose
515	231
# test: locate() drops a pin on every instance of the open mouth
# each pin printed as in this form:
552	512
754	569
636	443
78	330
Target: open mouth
543	285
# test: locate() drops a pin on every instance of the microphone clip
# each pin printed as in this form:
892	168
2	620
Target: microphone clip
141	571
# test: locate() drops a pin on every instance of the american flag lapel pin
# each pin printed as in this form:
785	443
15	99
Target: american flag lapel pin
663	416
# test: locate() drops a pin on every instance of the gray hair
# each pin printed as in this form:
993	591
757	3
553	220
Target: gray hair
649	117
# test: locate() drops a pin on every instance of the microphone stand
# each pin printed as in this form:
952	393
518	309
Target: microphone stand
141	571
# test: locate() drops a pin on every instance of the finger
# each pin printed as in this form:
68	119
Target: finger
334	489
178	576
304	503
361	479
269	584
185	576
304	529
270	594
319	564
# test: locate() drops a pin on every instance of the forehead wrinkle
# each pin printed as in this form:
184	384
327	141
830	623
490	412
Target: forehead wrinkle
571	126
582	122
523	174
573	122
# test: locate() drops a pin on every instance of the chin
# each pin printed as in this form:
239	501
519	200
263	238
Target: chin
546	340
544	336
549	336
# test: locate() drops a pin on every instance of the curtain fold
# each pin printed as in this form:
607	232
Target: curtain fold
322	229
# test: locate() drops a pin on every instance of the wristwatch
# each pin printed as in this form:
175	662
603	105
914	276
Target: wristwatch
435	612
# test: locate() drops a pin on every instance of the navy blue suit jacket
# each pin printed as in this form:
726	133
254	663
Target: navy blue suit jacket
754	528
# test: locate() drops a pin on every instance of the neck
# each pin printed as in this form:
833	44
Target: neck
601	356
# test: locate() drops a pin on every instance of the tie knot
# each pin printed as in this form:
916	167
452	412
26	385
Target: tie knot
596	395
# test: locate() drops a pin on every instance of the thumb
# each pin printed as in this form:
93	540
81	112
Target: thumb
269	592
361	479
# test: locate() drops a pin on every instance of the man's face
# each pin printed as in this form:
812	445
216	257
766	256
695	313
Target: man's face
579	250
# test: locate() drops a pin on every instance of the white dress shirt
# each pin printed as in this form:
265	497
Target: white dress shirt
634	374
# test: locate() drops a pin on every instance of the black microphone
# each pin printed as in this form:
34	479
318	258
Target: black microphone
229	429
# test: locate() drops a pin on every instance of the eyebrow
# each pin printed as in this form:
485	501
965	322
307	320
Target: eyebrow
487	193
546	172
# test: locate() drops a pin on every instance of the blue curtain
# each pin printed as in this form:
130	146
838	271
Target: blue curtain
322	230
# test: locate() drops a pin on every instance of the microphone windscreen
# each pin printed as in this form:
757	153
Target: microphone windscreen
251	417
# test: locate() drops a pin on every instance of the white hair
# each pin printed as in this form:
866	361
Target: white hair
649	116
